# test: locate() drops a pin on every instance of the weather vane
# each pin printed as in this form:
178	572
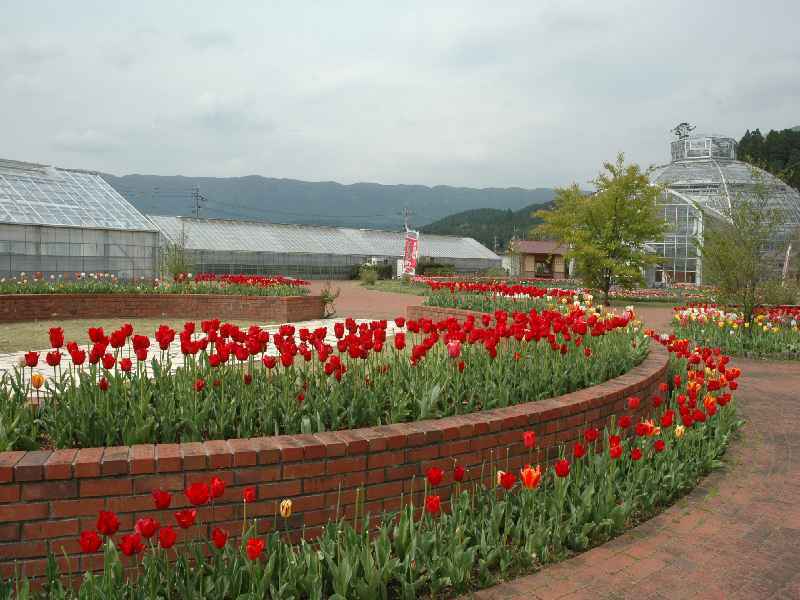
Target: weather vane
682	130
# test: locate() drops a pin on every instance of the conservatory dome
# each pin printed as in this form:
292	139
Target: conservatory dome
705	177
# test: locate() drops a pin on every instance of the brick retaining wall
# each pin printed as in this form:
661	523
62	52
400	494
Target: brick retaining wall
47	498
258	309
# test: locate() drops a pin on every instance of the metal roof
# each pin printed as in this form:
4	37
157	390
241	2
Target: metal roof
33	194
539	247
258	236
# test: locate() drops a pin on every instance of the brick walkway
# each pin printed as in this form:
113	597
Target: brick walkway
735	536
357	301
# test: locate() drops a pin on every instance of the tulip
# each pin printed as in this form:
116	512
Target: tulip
254	548
219	537
286	508
217	487
433	505
90	541
529	439
249	495
146	527
37	380
561	467
167	537
161	499
107	523
185	518
531	477
131	544
199	493
434	475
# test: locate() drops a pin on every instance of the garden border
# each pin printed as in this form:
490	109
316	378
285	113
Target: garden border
46	307
48	497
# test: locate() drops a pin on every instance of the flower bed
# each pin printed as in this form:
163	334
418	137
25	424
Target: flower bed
774	331
234	383
487	516
202	283
52	307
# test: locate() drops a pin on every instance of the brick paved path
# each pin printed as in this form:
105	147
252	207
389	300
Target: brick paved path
735	536
357	301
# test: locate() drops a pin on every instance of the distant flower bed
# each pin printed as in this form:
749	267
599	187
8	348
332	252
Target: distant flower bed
494	525
672	294
236	383
774	331
202	283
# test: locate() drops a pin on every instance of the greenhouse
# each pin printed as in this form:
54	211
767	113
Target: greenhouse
309	252
58	222
704	180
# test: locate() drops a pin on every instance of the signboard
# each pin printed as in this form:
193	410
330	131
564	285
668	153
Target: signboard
411	253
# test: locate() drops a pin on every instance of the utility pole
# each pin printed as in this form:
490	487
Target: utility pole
198	199
406	214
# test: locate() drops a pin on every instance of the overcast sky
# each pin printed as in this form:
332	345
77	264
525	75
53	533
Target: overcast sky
527	93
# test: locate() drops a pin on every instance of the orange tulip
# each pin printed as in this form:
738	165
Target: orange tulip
531	477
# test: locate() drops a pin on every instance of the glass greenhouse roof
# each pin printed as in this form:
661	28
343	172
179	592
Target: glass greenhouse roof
257	236
715	184
33	194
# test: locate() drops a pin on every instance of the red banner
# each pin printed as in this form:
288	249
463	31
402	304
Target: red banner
410	253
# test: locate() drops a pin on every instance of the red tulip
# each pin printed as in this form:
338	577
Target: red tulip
161	499
167	537
146	527
591	435
108	361
659	445
107	522
90	541
131	544
199	385
634	402
624	421
103	384
219	537
126	364
249	494
217	487
198	493
507	480
636	454
578	451
458	473
562	467
433	505
434	475
615	451
56	337
53	358
529	439
31	359
255	547
185	518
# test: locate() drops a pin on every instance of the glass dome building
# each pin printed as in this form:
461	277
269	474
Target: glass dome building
703	181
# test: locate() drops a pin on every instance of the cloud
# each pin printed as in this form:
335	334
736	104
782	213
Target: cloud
212	38
89	141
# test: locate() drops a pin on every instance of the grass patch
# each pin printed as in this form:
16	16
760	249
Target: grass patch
33	335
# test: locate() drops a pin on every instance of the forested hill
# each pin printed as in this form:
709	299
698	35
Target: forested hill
778	152
488	225
368	205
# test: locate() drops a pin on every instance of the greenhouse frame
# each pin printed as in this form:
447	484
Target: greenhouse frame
705	181
308	252
59	222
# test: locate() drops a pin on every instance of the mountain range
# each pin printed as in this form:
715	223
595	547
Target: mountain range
491	227
361	205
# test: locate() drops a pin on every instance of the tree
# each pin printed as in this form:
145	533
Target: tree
175	258
743	251
606	232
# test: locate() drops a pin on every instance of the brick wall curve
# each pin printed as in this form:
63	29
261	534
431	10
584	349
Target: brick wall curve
48	497
259	309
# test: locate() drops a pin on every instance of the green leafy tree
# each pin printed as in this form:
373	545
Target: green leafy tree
742	252
607	231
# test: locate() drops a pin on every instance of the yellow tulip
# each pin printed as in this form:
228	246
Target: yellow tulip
679	431
286	508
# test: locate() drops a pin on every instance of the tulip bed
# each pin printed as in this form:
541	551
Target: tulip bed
202	283
495	525
236	383
489	297
772	332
